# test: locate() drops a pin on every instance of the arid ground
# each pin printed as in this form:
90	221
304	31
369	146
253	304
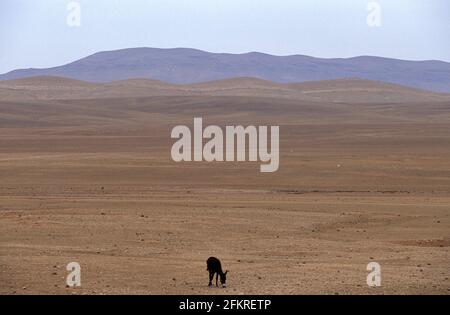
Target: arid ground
86	175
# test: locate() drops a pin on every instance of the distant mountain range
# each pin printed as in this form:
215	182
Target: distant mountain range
186	66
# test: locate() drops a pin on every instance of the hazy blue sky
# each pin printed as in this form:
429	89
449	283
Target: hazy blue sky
34	33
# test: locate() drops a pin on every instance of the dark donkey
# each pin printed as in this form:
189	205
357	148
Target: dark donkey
215	267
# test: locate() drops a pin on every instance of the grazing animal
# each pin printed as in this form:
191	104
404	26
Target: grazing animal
214	266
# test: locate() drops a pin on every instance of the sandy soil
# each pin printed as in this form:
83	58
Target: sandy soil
92	181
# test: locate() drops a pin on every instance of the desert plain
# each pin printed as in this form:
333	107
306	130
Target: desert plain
86	175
